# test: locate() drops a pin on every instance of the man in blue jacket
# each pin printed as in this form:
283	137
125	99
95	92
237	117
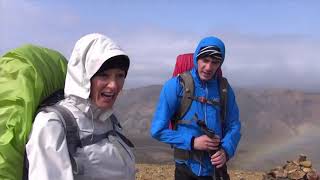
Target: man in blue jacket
189	138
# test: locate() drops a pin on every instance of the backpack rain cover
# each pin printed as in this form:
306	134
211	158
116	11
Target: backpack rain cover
28	75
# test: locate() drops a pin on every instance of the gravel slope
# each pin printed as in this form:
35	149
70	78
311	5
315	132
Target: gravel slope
165	172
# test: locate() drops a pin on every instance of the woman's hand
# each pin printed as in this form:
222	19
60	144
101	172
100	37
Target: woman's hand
205	143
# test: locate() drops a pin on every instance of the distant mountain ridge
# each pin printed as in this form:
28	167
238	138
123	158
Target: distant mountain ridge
269	118
257	107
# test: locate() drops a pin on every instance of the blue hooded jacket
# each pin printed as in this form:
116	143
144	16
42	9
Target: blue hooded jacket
169	101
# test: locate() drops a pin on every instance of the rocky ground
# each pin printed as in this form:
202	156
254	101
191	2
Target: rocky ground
165	172
298	169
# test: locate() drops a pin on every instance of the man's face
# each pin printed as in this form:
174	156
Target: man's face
207	67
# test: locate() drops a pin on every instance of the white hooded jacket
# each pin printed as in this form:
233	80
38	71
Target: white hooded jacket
47	150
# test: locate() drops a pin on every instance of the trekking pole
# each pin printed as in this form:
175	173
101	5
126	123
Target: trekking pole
210	133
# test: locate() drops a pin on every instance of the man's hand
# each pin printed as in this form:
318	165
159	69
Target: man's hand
219	158
205	143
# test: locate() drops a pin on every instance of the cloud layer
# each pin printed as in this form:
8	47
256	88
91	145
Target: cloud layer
276	60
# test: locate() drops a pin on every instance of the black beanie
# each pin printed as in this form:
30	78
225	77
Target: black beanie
212	51
121	62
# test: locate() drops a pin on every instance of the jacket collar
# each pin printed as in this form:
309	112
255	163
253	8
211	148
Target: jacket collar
89	109
198	82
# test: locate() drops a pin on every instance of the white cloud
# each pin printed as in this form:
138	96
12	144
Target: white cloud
281	60
277	62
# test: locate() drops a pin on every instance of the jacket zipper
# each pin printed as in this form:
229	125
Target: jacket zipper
205	118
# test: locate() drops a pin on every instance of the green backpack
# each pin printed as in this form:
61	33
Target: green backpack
28	75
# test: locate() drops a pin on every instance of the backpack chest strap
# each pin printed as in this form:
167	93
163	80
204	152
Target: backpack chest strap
94	138
204	100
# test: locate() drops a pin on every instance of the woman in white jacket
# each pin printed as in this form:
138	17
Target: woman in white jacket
96	73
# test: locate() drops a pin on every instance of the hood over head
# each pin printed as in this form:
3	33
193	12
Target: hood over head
120	62
88	55
209	46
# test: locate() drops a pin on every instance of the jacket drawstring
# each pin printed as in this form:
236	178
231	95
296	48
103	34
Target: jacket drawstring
90	109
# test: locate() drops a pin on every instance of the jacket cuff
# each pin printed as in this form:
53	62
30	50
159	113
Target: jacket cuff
226	153
192	143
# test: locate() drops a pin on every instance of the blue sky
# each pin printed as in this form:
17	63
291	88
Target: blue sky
269	44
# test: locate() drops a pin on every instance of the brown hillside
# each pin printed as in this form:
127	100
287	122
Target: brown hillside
276	125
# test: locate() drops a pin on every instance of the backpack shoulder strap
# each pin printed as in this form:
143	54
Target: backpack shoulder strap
223	90
115	123
71	130
72	134
188	92
70	125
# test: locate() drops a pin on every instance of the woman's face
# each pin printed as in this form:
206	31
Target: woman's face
106	86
